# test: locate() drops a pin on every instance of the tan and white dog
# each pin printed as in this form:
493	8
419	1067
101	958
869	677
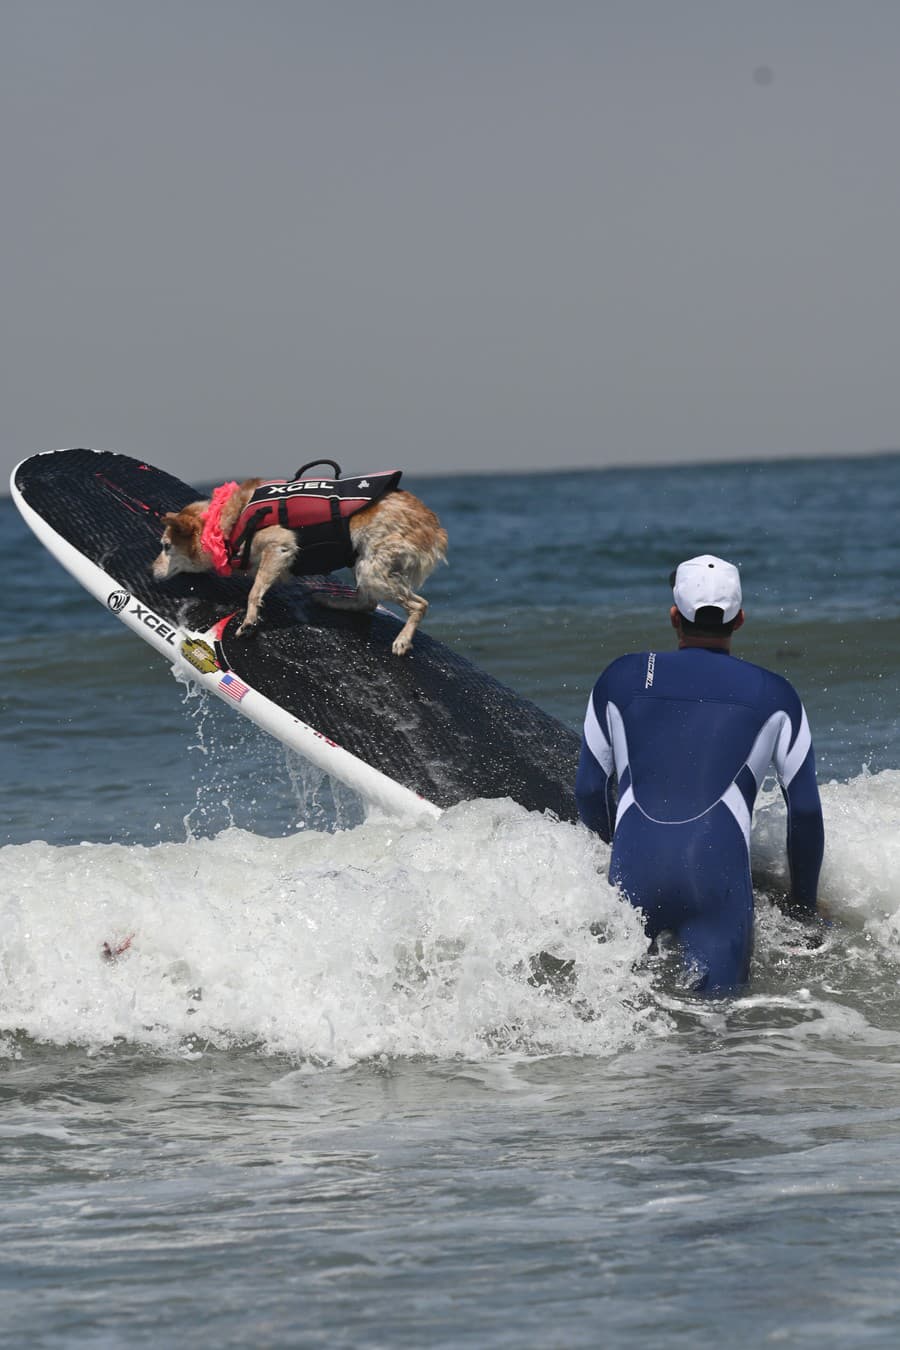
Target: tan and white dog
393	543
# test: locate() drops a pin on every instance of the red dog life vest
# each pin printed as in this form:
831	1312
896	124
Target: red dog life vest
318	510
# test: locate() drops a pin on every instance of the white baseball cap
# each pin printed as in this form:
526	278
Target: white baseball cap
707	580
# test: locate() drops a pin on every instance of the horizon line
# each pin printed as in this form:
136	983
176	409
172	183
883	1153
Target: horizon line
610	466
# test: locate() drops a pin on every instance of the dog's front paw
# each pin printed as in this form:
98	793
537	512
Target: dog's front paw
401	645
247	629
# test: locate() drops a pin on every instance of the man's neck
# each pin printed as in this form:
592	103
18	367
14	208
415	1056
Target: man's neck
712	644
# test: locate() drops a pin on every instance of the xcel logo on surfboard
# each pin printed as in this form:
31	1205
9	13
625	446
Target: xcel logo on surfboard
117	601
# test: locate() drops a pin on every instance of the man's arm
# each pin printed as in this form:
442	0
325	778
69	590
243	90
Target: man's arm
795	763
594	783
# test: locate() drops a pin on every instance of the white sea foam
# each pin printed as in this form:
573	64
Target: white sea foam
384	939
860	882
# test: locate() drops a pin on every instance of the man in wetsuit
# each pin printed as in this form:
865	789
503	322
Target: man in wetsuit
689	736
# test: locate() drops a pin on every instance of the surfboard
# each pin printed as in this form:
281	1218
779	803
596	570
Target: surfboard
413	735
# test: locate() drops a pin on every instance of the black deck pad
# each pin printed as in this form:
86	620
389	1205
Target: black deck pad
430	720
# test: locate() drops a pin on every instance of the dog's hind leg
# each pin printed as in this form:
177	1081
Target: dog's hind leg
390	576
362	601
416	607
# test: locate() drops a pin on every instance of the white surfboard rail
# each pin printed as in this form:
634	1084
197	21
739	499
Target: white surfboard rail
169	640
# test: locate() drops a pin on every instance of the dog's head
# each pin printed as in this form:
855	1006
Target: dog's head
181	550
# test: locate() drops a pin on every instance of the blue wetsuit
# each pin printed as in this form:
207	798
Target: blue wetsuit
689	736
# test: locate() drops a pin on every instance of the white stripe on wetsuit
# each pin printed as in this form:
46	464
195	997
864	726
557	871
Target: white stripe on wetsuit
596	740
771	745
620	752
789	764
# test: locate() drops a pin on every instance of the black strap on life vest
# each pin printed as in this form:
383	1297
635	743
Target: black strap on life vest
241	560
326	547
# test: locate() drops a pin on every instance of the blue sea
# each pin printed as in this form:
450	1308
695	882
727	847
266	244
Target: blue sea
317	1100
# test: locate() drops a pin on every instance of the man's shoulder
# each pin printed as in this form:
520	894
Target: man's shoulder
765	689
627	662
778	684
625	671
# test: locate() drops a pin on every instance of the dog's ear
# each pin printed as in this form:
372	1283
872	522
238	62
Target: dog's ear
182	525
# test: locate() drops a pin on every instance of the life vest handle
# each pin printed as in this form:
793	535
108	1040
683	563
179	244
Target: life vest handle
313	462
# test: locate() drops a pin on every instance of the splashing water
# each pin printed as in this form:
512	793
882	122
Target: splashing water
399	940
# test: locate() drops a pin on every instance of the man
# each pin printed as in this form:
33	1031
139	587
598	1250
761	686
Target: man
689	736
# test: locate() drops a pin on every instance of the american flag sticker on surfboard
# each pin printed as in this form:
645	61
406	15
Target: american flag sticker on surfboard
233	687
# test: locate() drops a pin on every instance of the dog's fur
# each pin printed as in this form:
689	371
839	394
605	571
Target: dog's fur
398	542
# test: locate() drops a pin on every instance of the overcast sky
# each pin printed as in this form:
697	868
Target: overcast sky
449	234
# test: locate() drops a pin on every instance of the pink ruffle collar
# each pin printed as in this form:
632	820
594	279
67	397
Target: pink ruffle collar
212	540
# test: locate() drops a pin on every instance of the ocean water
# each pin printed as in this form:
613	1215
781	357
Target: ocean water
318	1100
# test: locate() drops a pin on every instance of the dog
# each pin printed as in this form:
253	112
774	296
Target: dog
272	528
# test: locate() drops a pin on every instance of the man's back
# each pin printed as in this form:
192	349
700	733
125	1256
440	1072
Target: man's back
690	720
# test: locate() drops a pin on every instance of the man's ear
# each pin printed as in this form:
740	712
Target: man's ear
738	620
675	618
